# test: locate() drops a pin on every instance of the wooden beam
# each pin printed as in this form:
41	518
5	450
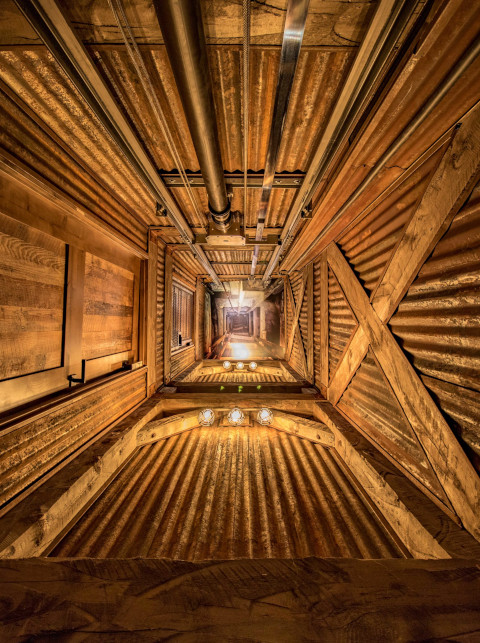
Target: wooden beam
447	458
309	429
150	319
422	527
448	188
167	313
310	314
297	306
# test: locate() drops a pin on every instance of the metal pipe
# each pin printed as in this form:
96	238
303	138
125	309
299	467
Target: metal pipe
183	34
292	40
448	82
389	21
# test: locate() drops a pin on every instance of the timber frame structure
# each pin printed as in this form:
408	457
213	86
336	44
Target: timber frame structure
181	164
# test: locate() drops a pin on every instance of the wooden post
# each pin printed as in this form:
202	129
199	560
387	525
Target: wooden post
74	311
168	313
149	318
310	313
323	349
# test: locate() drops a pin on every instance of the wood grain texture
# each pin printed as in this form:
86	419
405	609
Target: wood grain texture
453	469
108	308
420	524
30	448
228	492
328	600
160	313
32	286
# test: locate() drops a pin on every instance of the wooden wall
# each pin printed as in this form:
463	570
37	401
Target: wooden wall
177	271
396	324
160	313
298	305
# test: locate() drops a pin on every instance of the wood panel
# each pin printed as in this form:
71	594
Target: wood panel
32	290
160	313
332	601
199	321
341	323
187	498
32	447
108	309
182	359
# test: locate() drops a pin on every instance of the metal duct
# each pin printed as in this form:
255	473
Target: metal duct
182	29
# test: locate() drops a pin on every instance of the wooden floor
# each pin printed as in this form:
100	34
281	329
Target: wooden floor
225	493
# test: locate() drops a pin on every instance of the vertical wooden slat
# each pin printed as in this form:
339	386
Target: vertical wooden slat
150	320
167	325
324	322
310	310
74	311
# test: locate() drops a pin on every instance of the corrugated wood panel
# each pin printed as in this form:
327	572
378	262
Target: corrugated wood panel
296	360
368	245
183	272
316	322
438	324
181	360
199	320
56	134
32	285
228	493
241	378
159	357
107	309
30	449
341	323
372	405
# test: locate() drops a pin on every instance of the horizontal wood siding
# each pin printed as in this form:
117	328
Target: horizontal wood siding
438	326
181	360
108	308
32	286
31	448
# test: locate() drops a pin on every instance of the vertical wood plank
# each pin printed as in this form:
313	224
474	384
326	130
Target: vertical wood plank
167	325
151	334
323	348
74	311
310	312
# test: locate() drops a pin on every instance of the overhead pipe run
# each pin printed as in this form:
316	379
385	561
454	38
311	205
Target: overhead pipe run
183	34
388	23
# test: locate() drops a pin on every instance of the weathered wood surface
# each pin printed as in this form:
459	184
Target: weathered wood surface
314	599
447	458
425	529
32	284
108	308
226	492
32	446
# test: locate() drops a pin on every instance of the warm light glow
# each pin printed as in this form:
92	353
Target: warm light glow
241	297
236	416
226	365
240	365
240	350
265	416
252	366
206	417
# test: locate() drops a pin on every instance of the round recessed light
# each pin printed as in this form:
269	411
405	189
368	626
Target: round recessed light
236	416
265	416
252	366
227	364
206	417
240	365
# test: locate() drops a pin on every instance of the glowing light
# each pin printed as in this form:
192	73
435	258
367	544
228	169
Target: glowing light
206	417
236	416
252	366
226	365
240	350
241	298
240	365
265	416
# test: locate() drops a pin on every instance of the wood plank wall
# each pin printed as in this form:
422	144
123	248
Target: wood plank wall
160	313
31	447
399	355
108	308
32	292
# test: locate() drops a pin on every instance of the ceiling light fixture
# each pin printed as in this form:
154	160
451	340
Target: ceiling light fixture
252	366
236	416
265	416
240	365
227	365
206	417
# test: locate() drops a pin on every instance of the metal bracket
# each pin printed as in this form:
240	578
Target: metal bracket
78	380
